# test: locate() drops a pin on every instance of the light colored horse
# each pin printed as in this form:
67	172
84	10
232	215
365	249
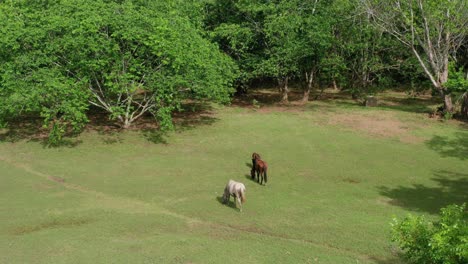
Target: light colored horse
236	189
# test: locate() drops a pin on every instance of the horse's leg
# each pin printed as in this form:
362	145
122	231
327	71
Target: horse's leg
260	177
226	195
239	202
252	172
258	174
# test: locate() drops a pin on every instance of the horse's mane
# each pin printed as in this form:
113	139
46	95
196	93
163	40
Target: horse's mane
255	156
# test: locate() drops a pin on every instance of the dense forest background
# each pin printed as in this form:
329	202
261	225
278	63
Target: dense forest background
62	59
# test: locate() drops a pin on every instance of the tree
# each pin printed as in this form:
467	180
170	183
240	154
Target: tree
238	28
299	33
31	78
128	57
282	40
370	57
432	29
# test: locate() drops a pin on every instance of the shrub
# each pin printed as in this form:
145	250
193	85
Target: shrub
444	241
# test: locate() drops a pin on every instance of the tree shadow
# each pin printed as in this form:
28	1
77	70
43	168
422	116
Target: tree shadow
194	122
191	115
64	143
390	260
194	114
450	147
230	203
112	140
155	136
409	104
30	129
26	128
451	188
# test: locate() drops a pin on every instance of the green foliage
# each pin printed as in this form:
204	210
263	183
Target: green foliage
457	85
444	241
126	57
457	82
332	40
238	27
255	103
164	116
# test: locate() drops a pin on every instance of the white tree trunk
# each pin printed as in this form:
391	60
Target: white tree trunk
284	90
432	35
309	82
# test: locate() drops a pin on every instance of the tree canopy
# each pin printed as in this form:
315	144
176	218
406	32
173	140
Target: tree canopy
126	57
62	59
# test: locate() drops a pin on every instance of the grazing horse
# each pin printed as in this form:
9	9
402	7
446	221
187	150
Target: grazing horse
261	168
255	156
237	190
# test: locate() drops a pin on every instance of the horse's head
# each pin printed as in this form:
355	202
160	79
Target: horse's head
255	156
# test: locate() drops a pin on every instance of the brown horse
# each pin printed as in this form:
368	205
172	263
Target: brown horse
260	167
255	156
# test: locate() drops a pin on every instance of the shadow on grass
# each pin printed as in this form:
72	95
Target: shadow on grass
194	122
391	260
456	147
27	128
191	115
230	203
194	114
412	105
31	129
112	140
64	143
155	136
249	177
343	99
270	96
452	188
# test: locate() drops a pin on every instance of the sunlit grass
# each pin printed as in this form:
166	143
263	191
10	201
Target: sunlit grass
332	190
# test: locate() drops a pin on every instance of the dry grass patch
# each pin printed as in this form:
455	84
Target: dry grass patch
382	125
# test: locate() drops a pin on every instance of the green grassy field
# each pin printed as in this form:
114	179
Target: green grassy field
338	173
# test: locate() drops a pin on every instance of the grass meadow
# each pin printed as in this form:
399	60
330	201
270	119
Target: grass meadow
338	174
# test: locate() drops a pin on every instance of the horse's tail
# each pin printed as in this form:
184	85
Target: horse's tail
242	195
265	173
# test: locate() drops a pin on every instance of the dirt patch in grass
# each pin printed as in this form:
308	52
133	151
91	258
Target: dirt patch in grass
383	125
349	180
56	179
56	223
368	121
